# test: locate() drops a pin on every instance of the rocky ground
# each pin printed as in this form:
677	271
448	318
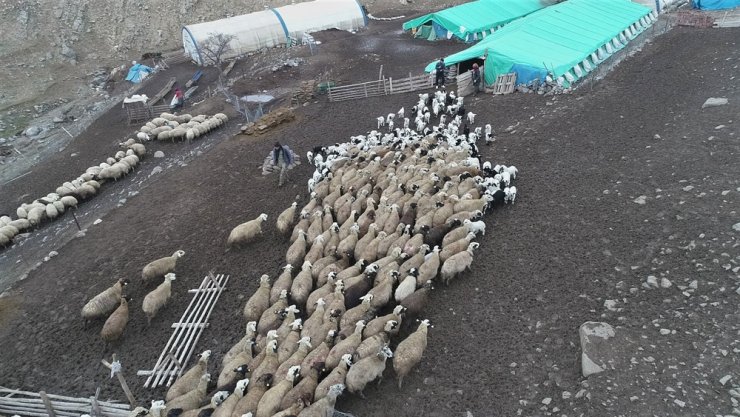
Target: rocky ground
627	214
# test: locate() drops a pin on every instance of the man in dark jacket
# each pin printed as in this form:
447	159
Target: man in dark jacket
439	79
281	158
476	79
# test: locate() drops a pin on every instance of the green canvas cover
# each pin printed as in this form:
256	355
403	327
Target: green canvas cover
554	39
473	21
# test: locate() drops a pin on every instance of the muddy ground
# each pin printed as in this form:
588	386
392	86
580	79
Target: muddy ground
505	339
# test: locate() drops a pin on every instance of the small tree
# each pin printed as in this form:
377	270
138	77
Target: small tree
215	47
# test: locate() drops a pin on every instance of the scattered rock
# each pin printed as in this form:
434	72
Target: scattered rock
98	221
679	403
32	131
736	227
720	127
652	281
714	102
610	305
665	283
640	200
157	169
688	188
72	155
725	379
594	346
159	154
665	332
547	401
657	136
57	120
53	254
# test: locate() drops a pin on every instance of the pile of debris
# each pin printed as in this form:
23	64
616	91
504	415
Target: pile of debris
547	88
305	93
288	63
269	121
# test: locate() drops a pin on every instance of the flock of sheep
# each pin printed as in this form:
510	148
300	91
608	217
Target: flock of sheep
68	194
389	214
184	126
166	126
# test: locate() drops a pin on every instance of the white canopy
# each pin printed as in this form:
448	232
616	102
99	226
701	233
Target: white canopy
273	27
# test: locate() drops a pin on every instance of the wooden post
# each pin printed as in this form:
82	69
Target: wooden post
390	81
96	411
380	74
47	404
121	380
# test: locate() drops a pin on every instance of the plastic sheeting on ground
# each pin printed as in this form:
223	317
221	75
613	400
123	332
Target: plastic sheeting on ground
268	28
472	21
566	40
138	72
715	4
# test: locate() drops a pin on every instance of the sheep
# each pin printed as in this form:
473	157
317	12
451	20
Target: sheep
409	351
302	285
259	301
286	219
161	266
415	303
248	404
336	376
304	389
227	406
270	319
116	322
344	347
192	399
510	193
157	298
105	302
325	406
407	286
455	247
367	370
247	232
297	250
381	121
457	263
246	342
216	400
283	282
36	215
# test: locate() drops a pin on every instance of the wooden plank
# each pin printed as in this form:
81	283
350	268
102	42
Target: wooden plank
47	404
229	68
163	92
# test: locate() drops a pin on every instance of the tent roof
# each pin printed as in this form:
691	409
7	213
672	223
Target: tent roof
478	16
557	37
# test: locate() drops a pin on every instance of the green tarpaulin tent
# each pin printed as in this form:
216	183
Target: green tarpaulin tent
566	40
472	21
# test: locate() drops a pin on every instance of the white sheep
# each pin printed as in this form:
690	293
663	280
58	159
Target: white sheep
161	266
510	194
457	263
142	136
158	297
471	117
381	121
246	232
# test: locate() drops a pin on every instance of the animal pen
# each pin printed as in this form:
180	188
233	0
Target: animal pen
194	320
386	86
41	404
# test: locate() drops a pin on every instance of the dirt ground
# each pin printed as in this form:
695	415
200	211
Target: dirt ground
574	239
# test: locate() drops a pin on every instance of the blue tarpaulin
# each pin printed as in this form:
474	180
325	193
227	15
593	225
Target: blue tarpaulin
138	72
715	4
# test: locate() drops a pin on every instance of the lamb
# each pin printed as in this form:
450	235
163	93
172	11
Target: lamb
246	233
116	323
105	302
158	298
286	219
510	193
409	351
458	263
161	266
381	121
259	301
367	370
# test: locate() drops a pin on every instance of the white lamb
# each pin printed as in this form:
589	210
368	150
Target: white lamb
381	121
510	194
471	117
390	118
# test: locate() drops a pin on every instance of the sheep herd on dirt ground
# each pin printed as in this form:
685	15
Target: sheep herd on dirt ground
389	214
87	185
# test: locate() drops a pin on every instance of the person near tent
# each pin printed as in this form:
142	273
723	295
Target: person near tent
439	79
282	158
178	100
475	74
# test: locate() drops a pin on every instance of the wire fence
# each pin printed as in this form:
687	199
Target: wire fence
249	114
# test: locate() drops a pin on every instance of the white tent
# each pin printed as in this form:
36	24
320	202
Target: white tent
273	27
